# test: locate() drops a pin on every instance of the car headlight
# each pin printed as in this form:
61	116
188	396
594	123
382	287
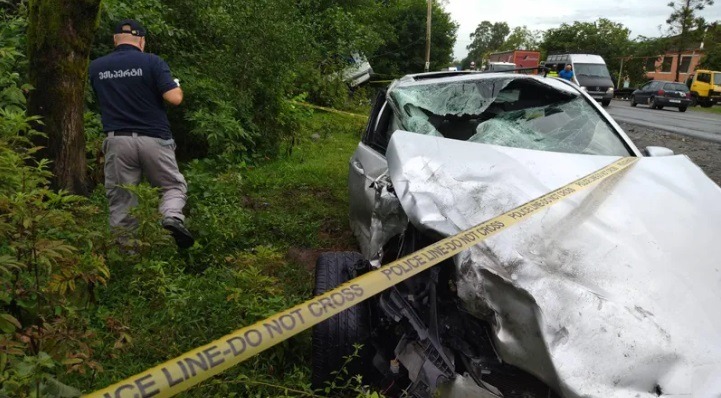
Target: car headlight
610	90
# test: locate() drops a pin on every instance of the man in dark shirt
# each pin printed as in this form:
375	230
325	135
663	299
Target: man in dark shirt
132	87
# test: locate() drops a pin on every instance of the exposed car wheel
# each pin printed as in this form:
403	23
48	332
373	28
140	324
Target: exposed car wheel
682	109
333	338
706	104
633	101
653	104
606	103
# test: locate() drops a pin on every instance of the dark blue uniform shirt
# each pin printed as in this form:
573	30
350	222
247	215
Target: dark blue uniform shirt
130	85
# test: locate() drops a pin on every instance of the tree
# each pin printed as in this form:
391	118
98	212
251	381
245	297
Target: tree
682	22
405	30
606	38
60	36
521	38
487	38
712	40
642	52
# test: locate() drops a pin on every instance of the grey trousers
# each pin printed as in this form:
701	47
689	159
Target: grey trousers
127	159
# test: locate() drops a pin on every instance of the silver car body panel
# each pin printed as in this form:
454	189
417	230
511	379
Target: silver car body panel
611	293
367	165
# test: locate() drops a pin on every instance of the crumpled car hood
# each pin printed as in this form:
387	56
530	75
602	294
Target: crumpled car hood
613	292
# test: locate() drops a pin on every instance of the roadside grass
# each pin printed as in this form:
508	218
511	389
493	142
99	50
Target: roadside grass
714	109
258	230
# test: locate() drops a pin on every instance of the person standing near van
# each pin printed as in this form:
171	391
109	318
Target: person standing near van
131	87
566	73
553	71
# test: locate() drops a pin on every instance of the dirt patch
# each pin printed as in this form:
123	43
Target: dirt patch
705	154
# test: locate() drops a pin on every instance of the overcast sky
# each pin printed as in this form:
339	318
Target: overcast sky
643	17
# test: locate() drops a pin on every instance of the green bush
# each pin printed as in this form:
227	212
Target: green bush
50	256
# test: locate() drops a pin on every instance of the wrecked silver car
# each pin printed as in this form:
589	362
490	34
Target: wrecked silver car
610	293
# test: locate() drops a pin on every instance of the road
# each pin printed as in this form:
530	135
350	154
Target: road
702	125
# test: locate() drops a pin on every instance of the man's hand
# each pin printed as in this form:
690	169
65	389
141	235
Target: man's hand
174	96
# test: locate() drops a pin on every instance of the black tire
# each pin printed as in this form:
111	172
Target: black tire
333	338
633	101
706	104
682	109
606	103
653	103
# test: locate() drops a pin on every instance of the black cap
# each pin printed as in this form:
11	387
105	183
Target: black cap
130	26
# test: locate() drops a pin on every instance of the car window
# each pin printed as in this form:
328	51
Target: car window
717	79
675	87
704	77
371	136
521	113
592	70
647	86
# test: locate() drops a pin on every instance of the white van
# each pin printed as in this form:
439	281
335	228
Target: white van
589	71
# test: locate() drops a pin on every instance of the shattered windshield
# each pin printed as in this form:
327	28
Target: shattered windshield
513	112
592	70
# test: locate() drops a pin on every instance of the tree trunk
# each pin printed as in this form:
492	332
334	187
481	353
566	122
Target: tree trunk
60	36
678	64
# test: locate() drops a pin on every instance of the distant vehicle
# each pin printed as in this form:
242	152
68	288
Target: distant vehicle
358	71
705	87
589	72
658	94
451	69
500	66
520	58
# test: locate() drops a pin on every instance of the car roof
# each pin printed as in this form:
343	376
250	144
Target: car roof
444	77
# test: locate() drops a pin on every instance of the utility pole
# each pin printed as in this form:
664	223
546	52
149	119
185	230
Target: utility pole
428	36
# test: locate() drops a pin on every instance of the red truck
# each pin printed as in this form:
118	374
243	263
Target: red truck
522	58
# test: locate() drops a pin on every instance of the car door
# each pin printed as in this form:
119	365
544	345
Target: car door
367	164
644	93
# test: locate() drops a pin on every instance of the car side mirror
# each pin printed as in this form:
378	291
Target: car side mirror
656	151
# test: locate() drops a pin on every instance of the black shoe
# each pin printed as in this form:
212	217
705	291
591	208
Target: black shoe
183	237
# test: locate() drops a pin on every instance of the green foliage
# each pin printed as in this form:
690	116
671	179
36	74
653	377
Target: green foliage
487	38
404	34
712	39
521	38
685	26
258	220
49	258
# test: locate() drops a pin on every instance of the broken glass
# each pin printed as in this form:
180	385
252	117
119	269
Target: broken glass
517	112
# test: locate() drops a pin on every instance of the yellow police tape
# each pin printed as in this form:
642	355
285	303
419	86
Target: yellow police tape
331	110
191	368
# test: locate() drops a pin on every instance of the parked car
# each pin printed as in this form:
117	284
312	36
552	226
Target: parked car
591	298
659	94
